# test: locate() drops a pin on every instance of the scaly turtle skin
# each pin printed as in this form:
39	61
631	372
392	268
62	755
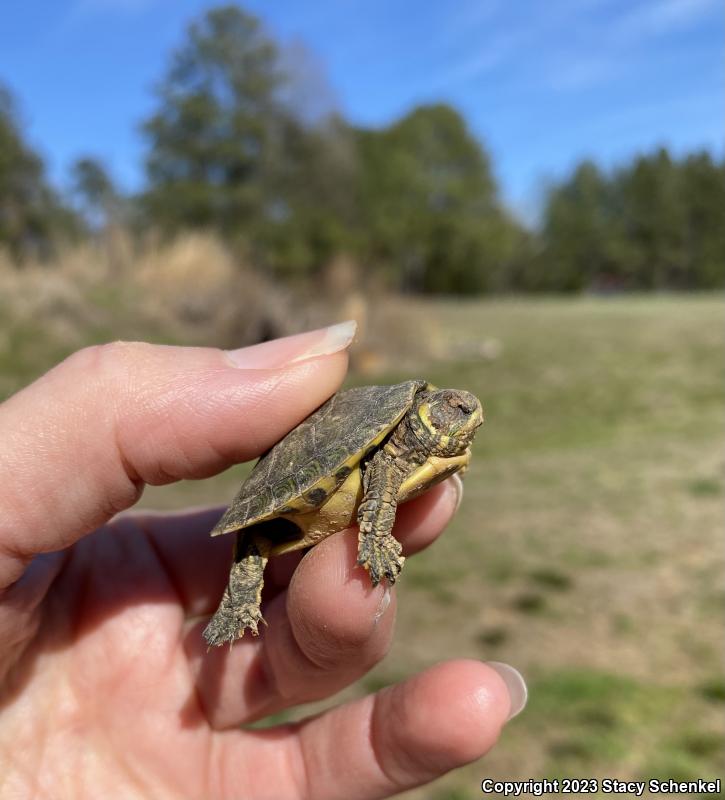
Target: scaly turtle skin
353	460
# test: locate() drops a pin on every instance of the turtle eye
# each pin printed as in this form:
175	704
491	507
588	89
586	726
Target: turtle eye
461	417
458	412
453	411
465	407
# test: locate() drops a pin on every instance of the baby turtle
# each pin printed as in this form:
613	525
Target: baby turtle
353	460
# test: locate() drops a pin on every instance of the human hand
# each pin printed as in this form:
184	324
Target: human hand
106	688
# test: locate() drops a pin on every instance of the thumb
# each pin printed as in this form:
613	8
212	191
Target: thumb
79	444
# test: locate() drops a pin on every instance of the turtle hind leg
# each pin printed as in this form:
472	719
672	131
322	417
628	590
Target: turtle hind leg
378	550
239	608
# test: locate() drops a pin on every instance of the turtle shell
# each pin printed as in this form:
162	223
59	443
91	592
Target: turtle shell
302	470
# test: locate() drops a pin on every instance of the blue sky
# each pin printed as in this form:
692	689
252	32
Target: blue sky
543	83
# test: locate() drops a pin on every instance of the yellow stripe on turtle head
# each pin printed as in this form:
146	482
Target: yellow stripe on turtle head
424	415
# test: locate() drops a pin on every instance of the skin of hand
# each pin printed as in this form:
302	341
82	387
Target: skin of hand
106	687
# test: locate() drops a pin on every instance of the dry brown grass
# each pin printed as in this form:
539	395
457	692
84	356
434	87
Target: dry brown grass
188	290
192	290
203	293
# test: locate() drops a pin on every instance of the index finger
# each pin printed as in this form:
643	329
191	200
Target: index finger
80	443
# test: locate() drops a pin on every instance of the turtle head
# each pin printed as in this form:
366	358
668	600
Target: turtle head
450	418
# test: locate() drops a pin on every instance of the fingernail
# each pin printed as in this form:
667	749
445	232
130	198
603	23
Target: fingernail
457	484
335	338
384	603
518	693
293	349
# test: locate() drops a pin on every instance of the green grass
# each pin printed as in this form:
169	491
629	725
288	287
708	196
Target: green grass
588	548
529	603
493	637
705	487
551	578
713	689
605	721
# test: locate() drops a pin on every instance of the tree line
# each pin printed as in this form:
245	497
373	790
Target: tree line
233	148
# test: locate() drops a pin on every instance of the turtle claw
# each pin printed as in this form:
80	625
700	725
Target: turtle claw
381	558
250	617
230	624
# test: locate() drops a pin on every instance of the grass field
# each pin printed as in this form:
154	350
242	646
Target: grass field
588	551
593	516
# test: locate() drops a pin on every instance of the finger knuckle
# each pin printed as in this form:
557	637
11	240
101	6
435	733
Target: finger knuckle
109	361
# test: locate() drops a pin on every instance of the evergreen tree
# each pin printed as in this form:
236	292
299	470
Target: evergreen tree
577	233
92	184
653	224
702	190
32	218
228	150
218	128
429	205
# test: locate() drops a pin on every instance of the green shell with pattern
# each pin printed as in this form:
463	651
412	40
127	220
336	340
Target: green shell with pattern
302	470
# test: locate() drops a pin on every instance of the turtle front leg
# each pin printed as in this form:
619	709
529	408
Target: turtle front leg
378	550
240	606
